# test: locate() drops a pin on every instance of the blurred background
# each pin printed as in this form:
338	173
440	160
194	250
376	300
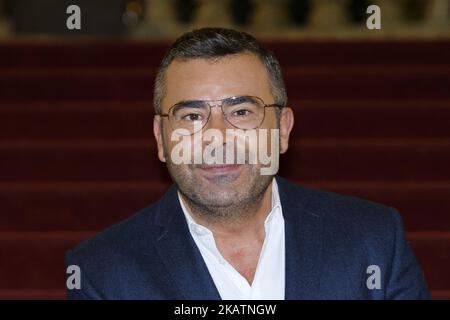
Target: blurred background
76	148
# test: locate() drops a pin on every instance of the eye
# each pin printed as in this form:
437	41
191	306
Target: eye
242	113
192	117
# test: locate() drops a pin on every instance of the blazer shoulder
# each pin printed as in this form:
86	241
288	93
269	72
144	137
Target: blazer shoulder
342	210
117	240
359	233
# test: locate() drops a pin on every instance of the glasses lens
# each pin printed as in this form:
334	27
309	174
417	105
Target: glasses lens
244	112
190	116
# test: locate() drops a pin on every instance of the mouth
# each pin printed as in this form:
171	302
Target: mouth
220	169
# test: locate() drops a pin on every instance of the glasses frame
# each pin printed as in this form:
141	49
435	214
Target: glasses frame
208	102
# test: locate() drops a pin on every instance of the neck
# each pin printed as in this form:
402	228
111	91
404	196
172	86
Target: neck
247	219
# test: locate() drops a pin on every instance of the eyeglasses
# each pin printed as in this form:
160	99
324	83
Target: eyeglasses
242	112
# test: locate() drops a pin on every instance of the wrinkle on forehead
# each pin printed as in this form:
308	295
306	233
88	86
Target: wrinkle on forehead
212	79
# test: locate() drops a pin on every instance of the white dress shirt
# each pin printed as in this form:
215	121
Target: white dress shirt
269	280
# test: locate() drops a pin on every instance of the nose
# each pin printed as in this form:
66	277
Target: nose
217	120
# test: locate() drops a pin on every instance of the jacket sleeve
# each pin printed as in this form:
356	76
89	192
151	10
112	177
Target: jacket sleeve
406	280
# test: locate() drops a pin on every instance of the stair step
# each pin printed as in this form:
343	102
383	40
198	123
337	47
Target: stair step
367	159
33	294
384	82
351	52
76	85
308	159
38	258
82	53
35	260
126	54
73	206
371	118
440	294
306	82
96	205
314	119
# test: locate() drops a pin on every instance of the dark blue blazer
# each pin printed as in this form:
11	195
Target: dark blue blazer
331	240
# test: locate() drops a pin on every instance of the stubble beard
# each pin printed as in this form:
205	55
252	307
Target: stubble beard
227	198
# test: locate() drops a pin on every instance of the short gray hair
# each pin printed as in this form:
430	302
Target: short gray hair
213	43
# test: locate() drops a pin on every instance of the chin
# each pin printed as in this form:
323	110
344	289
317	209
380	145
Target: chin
223	201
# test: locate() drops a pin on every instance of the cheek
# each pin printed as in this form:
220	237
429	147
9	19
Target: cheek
168	142
269	139
180	150
270	118
271	126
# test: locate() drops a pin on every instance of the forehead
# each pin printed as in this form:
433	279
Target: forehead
211	79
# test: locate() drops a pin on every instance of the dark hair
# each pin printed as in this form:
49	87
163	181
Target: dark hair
213	43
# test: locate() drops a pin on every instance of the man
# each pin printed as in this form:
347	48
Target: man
228	229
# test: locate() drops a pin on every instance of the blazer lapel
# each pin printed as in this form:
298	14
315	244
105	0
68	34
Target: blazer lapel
179	253
303	241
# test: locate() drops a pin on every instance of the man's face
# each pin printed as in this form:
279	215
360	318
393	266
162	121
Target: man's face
214	186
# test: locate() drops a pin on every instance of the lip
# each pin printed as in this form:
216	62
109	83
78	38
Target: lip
220	169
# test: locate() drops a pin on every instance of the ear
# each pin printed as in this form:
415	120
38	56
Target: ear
158	137
286	125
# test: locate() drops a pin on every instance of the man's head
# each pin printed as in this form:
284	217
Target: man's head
214	64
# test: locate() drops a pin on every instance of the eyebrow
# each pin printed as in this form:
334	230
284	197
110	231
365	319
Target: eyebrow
238	99
188	104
